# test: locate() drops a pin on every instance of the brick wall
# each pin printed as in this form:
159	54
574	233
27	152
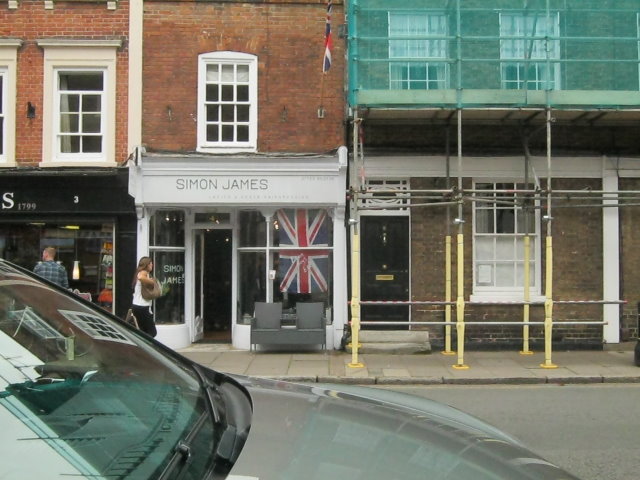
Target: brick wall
31	22
287	38
577	271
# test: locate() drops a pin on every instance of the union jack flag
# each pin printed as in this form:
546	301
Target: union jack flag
303	269
328	42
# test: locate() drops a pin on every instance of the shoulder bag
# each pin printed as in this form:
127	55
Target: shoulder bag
149	292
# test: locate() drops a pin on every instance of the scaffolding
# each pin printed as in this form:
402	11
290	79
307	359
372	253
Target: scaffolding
456	196
526	61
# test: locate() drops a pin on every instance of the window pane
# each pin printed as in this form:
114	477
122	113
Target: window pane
167	228
505	248
91	123
213	73
243	133
253	229
91	103
227	73
227	93
91	144
168	268
212	133
484	221
212	93
213	113
484	248
69	123
243	113
243	93
69	103
70	144
251	282
505	221
505	275
243	73
228	113
81	81
227	133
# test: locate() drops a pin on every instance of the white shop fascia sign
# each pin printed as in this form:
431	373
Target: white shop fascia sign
245	181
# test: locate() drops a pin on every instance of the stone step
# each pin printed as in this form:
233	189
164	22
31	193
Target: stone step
394	336
393	342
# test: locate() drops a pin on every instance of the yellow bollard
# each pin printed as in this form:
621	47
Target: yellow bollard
460	305
355	300
525	314
447	297
548	307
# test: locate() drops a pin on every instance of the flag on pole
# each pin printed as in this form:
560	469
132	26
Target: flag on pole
303	269
328	43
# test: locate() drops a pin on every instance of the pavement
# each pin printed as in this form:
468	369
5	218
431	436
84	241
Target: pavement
613	364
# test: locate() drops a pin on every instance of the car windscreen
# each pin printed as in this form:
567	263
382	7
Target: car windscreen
83	395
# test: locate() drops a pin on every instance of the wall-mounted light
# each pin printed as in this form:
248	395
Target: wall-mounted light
31	110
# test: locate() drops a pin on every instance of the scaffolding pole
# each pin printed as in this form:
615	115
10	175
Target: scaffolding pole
460	365
548	305
354	222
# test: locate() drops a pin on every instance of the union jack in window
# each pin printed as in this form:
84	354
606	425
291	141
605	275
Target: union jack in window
303	268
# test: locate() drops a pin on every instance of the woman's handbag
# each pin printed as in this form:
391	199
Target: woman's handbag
131	319
151	293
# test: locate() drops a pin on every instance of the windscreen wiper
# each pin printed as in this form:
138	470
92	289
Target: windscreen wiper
182	451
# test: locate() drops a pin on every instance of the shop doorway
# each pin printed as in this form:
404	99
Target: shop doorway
385	269
213	269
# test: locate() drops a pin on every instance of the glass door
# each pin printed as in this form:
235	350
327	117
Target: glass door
213	284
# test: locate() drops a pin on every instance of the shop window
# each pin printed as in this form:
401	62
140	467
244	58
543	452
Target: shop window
167	228
253	282
293	263
227	105
169	270
253	232
85	250
166	239
500	225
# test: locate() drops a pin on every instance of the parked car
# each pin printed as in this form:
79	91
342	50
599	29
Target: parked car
84	395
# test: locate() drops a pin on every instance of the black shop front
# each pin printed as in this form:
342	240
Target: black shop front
86	214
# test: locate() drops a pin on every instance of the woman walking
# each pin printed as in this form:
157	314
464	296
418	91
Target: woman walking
141	307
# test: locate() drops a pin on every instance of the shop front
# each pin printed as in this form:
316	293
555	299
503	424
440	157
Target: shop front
87	215
227	232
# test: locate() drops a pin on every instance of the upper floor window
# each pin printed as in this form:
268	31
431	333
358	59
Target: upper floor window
80	113
529	43
79	105
418	50
8	69
2	114
500	227
227	102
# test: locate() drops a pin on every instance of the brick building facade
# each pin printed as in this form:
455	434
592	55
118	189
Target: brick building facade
63	133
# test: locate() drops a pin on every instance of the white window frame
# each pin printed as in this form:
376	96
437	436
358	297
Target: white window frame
486	288
59	134
513	46
424	48
228	58
78	56
8	72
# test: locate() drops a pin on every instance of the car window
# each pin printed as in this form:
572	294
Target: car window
83	395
